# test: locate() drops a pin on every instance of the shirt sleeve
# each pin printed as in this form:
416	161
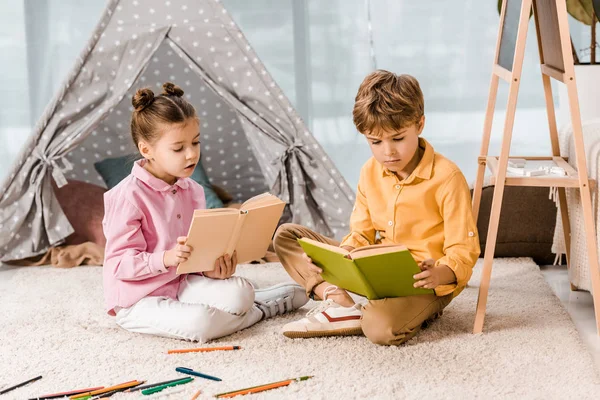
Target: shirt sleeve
461	241
126	246
362	232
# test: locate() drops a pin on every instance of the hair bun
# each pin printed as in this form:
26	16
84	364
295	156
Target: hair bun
170	89
142	99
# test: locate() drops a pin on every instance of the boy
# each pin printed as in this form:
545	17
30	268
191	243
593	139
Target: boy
407	194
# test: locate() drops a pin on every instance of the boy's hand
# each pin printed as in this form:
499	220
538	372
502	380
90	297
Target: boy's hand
313	267
177	254
224	267
348	249
433	276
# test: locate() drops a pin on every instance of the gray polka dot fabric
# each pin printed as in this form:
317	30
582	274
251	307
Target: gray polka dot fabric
252	139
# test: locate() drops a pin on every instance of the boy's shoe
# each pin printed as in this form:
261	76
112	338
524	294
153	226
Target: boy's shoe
327	319
280	299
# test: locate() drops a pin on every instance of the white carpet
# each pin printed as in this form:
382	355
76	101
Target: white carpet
52	324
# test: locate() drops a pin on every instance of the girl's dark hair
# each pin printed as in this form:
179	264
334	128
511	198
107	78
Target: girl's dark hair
150	112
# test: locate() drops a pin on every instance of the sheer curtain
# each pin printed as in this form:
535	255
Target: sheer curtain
39	41
318	52
448	45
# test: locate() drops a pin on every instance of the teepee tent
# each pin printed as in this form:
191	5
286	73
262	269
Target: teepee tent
252	138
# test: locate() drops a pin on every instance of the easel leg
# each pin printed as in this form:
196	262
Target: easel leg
485	144
566	225
490	247
590	234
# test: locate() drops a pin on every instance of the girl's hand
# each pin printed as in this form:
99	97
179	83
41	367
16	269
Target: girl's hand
177	254
224	267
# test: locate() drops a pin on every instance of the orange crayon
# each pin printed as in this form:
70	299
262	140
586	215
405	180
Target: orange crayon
260	388
203	349
124	385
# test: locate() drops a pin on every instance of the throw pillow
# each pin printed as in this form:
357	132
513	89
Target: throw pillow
83	205
114	170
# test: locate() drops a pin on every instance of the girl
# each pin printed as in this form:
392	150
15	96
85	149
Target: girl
146	219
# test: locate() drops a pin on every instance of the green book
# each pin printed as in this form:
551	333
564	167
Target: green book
376	272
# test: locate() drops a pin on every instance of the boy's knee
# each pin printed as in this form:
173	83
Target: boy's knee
285	232
286	239
379	327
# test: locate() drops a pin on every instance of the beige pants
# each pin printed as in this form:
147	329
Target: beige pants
390	321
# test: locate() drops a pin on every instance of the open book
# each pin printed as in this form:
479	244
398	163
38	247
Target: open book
219	231
376	271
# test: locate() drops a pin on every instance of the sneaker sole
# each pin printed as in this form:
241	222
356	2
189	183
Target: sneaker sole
335	332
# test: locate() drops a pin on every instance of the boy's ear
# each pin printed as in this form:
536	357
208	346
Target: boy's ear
421	125
145	150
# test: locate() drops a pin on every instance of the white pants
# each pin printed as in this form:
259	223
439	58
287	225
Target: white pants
207	309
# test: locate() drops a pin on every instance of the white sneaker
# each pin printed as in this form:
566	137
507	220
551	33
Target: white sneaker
327	319
280	299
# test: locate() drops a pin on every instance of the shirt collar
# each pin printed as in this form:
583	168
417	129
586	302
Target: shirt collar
425	166
155	183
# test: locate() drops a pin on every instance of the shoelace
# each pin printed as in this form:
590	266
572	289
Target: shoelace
322	306
325	304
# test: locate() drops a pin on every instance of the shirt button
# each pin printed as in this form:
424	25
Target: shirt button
390	223
178	216
397	186
471	234
174	191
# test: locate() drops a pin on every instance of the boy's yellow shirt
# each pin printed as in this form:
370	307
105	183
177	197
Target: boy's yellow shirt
429	212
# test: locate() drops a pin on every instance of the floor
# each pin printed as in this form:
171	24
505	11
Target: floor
579	304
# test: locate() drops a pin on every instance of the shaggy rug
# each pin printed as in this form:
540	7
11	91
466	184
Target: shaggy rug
53	324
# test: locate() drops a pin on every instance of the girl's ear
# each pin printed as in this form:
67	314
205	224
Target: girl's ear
145	150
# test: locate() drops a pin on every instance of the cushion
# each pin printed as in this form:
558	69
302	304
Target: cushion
114	170
83	205
526	227
223	194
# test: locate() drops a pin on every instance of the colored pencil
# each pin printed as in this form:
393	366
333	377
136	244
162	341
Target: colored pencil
157	389
261	388
203	349
109	394
18	385
189	371
63	394
194	397
125	385
151	385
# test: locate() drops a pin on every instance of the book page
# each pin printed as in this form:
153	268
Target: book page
258	229
209	235
367	251
216	210
258	200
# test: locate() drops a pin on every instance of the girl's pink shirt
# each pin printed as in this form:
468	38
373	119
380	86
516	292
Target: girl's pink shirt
143	217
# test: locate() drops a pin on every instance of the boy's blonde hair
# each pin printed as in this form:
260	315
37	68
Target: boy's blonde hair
387	101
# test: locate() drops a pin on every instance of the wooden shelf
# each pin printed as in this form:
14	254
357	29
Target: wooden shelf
570	180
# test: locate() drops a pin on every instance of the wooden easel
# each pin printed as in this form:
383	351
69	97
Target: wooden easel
556	62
